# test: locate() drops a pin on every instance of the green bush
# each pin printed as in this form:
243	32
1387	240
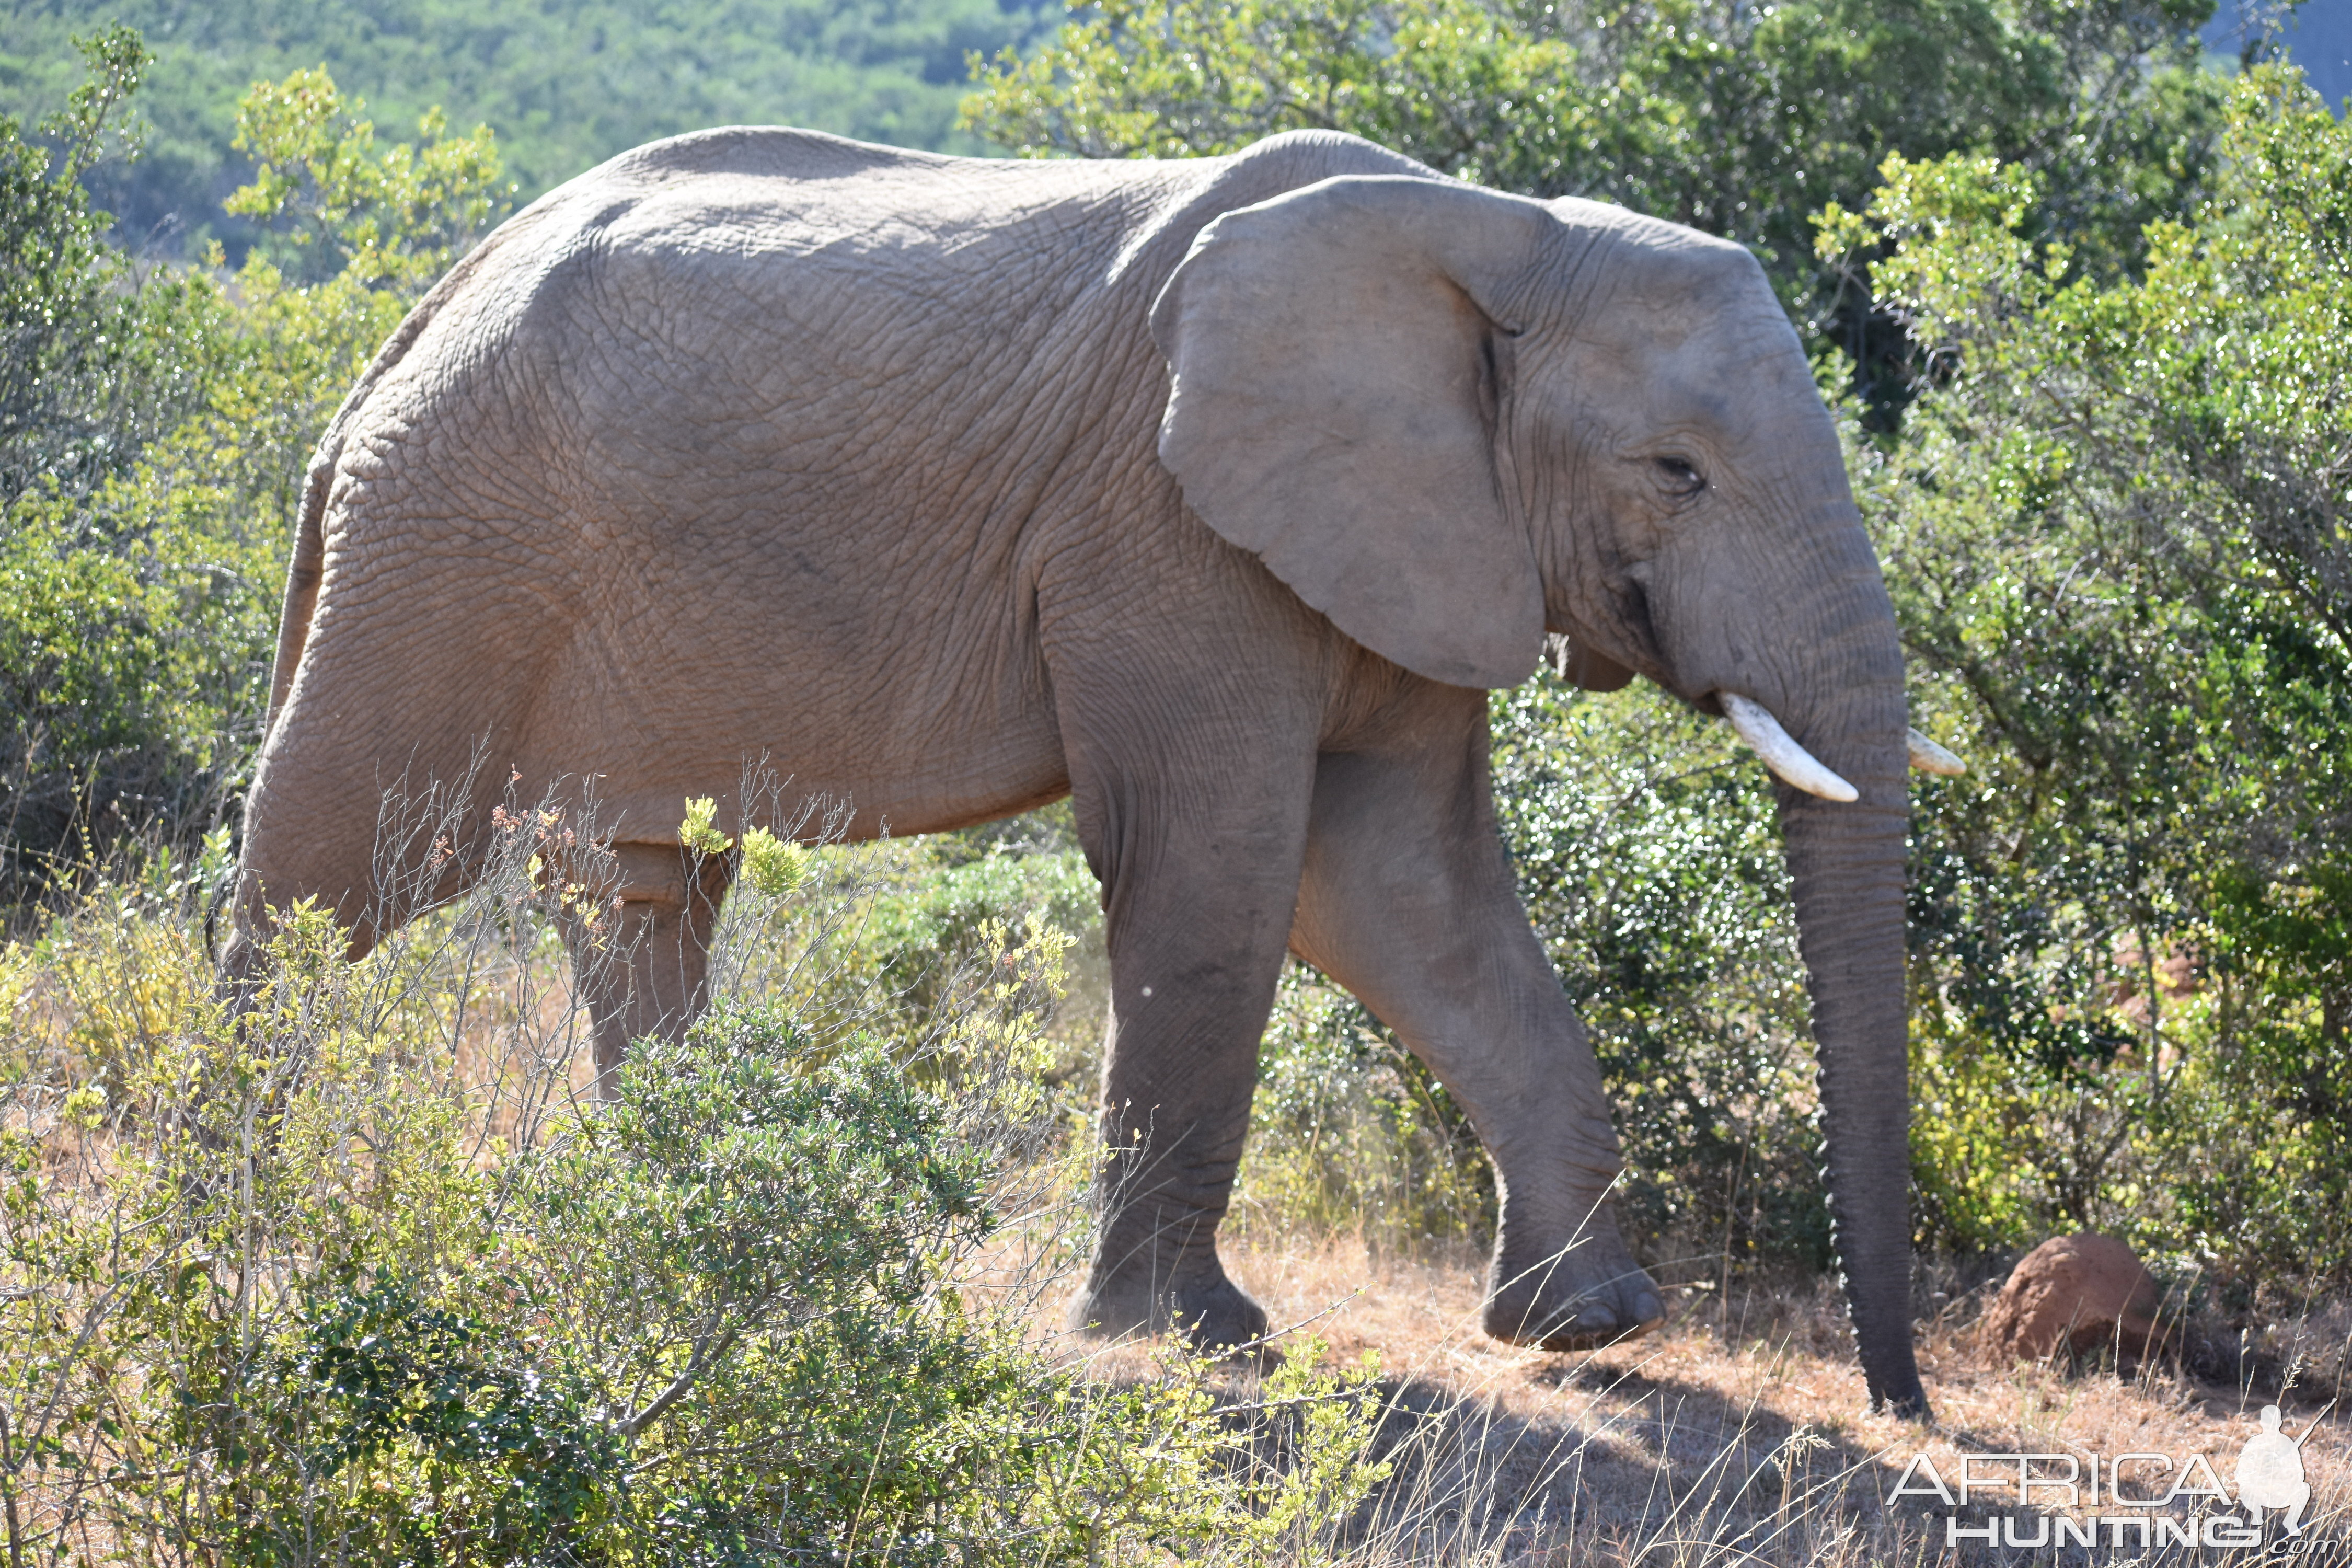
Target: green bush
1740	120
87	371
2115	524
1649	854
1351	1135
155	428
356	1277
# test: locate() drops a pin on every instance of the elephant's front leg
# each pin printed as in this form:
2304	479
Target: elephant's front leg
1407	901
1196	830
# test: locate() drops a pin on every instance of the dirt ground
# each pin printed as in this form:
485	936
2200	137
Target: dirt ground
1736	1434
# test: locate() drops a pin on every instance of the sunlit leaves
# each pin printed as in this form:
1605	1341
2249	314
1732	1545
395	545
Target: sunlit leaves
394	219
155	427
2115	530
1740	120
80	328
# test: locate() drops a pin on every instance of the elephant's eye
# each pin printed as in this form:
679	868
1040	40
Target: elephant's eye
1679	477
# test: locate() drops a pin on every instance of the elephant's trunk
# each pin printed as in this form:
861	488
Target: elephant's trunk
1846	862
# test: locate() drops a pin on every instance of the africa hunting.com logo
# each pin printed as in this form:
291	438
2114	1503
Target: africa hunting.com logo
2131	1500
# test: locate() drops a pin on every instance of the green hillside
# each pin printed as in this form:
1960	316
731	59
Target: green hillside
565	83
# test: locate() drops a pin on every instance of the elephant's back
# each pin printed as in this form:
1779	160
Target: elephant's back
763	197
717	261
786	271
771	195
760	152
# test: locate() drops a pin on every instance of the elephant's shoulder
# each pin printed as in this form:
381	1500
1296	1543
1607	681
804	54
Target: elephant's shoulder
1204	189
1268	168
1302	157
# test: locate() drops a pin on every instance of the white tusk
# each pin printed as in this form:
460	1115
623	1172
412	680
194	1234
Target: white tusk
1795	765
1931	758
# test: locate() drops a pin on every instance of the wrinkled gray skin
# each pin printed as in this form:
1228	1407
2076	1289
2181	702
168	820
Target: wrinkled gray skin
1212	493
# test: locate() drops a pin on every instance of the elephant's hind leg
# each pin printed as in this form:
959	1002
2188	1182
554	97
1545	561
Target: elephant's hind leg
1407	901
641	947
345	815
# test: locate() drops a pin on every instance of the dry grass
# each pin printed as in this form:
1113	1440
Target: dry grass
1736	1433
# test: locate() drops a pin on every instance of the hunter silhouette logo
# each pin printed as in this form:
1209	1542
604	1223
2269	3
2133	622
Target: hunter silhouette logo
2270	1473
2132	1497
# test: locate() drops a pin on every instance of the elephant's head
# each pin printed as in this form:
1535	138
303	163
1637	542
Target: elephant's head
1453	421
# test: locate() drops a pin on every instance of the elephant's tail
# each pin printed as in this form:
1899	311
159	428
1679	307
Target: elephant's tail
309	564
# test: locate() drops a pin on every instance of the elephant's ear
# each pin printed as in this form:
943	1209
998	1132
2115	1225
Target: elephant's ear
1335	387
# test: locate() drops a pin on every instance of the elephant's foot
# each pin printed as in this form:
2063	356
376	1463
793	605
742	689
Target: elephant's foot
1578	1295
1208	1309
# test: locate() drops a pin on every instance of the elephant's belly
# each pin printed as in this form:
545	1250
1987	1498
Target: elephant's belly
642	798
910	719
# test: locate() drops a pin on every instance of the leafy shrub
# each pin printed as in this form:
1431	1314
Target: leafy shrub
1649	854
1740	120
1351	1134
155	428
85	340
391	219
2115	524
354	1277
952	909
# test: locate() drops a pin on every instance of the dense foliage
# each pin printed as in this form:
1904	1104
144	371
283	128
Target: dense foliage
360	1278
567	83
2116	532
74	337
153	441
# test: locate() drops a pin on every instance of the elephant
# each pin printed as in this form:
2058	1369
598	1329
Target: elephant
1214	494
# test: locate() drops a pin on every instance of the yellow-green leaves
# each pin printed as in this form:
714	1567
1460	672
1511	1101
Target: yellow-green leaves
1437	79
696	834
771	867
393	217
1957	263
84	1107
774	866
